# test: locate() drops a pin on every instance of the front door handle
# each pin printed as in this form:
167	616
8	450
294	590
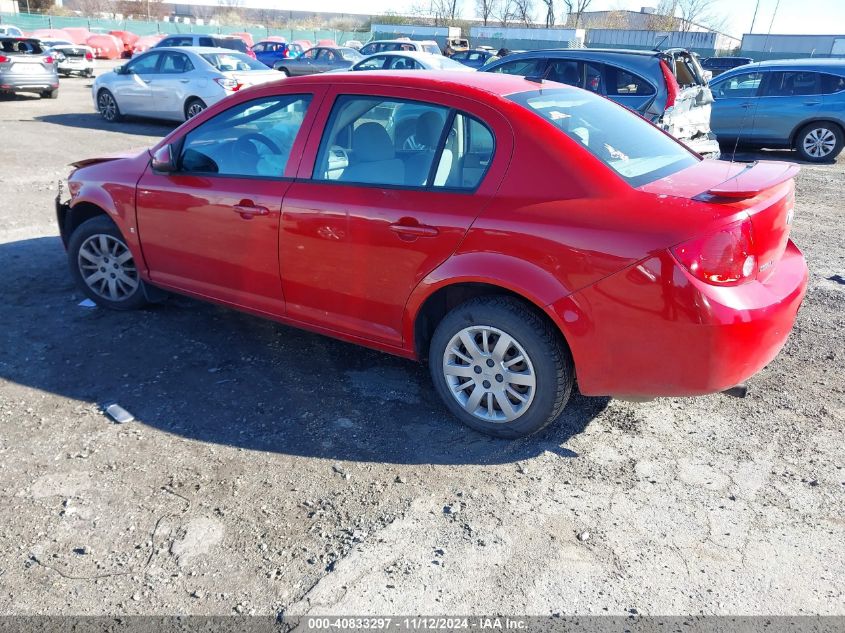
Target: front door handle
247	210
812	103
185	81
413	230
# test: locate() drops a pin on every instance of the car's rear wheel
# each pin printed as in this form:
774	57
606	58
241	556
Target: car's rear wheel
103	267
50	94
500	367
107	106
284	71
819	142
193	107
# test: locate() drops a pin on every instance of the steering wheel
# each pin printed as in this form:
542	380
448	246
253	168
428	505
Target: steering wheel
243	145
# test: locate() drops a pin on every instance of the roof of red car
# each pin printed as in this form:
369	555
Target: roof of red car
451	81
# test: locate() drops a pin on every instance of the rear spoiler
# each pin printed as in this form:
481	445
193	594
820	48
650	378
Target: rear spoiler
756	177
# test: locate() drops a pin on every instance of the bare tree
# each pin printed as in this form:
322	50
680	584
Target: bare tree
575	8
485	9
663	18
701	13
550	12
445	12
524	11
506	12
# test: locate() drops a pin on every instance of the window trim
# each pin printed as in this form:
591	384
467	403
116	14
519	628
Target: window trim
450	116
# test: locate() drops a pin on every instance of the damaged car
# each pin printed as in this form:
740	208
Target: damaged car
666	87
71	59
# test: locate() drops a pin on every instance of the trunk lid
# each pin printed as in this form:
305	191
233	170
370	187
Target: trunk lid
254	77
764	191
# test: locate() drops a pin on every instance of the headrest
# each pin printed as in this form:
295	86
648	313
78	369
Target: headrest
371	142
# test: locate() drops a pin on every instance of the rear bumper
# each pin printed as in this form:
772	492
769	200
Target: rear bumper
704	145
76	67
28	83
654	330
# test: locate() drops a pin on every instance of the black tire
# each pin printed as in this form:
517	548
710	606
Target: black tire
822	131
284	71
94	228
541	343
193	107
50	94
110	115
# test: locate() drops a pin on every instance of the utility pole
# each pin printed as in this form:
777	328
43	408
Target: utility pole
754	18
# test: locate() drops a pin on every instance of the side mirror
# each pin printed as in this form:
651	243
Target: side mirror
163	159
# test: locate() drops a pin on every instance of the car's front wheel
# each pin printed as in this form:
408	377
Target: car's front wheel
107	106
819	142
103	267
500	367
284	71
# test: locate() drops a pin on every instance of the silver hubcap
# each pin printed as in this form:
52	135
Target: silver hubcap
108	108
194	109
107	267
489	374
819	142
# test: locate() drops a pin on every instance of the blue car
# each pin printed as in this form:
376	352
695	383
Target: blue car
475	58
798	104
269	52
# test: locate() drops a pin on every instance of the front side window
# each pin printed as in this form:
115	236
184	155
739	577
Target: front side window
327	56
623	83
565	71
310	54
251	139
144	65
431	48
373	63
792	84
524	67
377	140
402	63
629	145
739	86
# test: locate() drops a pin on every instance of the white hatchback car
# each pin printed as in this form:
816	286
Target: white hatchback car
71	58
176	83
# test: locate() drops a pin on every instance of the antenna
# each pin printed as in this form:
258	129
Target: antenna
660	43
754	117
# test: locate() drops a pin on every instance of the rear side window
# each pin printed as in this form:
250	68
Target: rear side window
175	63
228	62
466	155
206	41
524	67
792	84
739	86
565	71
629	145
832	83
178	41
236	44
623	83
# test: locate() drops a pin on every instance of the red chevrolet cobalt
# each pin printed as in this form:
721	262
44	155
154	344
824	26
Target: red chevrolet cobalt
518	236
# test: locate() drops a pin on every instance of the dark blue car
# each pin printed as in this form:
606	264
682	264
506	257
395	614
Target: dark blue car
796	103
475	58
269	52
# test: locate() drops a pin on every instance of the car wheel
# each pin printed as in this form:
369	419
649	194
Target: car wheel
284	71
107	106
819	142
193	107
50	94
500	367
103	267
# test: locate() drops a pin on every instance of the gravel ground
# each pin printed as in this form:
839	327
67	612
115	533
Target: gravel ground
273	470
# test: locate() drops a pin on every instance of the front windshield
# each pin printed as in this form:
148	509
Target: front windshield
226	62
350	54
622	140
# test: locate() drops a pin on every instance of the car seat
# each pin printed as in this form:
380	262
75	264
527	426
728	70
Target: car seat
417	165
375	157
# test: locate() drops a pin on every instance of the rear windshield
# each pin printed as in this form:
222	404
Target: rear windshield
228	62
25	46
625	142
235	43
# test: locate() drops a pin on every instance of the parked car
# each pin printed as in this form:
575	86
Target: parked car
456	45
718	65
401	44
232	42
8	30
666	87
319	59
536	233
71	59
25	66
356	44
175	83
297	47
407	61
475	58
268	52
798	104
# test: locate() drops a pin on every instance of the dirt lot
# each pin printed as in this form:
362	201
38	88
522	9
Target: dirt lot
273	470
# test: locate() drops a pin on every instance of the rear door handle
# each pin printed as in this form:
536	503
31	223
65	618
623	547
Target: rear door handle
414	230
185	81
246	211
812	103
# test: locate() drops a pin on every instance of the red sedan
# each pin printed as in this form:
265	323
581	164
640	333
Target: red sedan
517	235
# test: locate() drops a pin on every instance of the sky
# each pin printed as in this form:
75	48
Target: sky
793	16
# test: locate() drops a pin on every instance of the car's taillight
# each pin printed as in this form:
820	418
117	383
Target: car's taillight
723	258
672	87
3	59
48	59
89	57
251	54
228	84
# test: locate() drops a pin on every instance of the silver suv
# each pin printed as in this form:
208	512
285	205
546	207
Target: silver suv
25	66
